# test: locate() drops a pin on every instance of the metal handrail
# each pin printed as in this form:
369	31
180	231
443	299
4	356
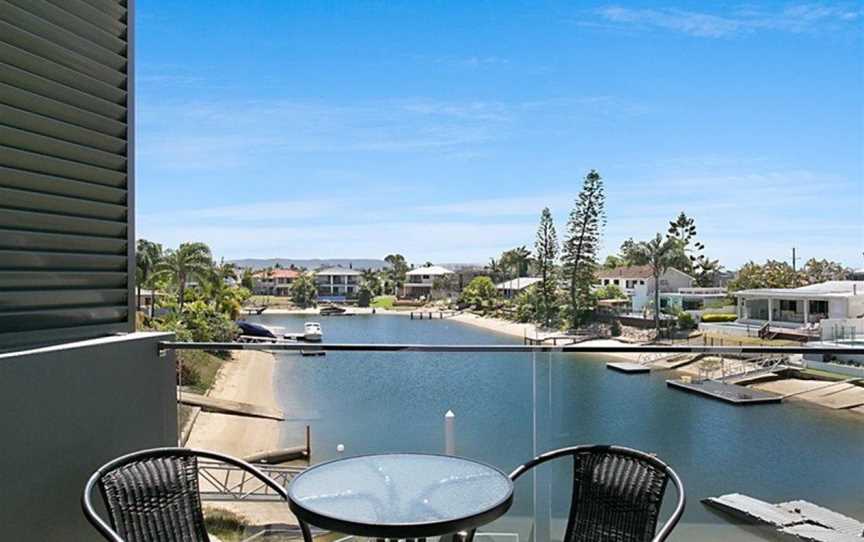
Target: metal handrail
508	348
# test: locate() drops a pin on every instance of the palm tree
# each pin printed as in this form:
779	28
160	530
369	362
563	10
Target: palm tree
521	260
370	278
495	268
219	292
659	254
396	273
147	257
190	260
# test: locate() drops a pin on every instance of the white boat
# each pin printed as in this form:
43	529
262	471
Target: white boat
312	331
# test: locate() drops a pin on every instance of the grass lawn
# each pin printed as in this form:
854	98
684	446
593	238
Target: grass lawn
734	340
199	369
384	302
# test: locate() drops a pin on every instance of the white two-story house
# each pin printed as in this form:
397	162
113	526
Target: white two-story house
421	282
337	283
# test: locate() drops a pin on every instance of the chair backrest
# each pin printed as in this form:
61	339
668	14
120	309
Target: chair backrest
617	494
153	495
155	498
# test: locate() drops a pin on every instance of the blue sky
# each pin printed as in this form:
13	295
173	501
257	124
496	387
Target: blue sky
441	129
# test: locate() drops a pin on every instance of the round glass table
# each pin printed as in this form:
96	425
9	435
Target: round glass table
399	495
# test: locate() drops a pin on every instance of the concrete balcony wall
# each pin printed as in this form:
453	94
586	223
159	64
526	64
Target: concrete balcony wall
67	410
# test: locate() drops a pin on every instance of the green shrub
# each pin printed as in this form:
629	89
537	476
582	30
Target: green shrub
720	317
615	328
686	321
480	293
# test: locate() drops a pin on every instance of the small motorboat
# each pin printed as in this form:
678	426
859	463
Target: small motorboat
312	332
330	310
254	330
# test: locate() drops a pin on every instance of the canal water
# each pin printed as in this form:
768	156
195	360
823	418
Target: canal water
508	406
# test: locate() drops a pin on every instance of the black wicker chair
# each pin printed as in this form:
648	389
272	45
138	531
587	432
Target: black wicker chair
152	495
617	493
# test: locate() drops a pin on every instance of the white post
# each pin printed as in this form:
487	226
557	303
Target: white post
806	311
770	309
450	433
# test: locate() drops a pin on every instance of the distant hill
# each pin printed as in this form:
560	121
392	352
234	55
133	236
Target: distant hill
314	263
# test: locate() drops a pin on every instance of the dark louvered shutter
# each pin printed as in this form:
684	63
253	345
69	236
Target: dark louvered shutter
66	163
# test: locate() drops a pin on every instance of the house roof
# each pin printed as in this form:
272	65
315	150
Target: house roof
338	271
518	283
278	273
831	288
633	272
430	270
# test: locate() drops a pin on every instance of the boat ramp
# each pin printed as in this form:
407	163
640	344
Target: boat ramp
797	520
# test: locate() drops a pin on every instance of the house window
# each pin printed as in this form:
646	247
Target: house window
818	307
788	305
642	282
605	282
615	281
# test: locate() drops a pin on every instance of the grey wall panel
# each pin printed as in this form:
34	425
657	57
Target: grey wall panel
61	54
76	25
38	319
21	259
37	201
44	163
112	23
46	222
44	299
75	407
66	163
50	146
32	23
39	241
49	184
40	86
39	123
25	60
24	280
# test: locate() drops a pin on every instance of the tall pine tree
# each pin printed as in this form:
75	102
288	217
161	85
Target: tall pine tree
581	248
546	252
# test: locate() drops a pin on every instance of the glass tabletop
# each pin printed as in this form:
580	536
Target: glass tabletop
400	494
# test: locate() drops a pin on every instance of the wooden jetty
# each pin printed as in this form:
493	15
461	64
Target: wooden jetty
224	406
628	367
283	455
729	393
799	520
429	315
255	310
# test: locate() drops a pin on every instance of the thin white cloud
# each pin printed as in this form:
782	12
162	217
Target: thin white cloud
216	135
794	18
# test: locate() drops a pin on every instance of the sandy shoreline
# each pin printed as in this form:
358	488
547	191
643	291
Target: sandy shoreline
519	330
247	377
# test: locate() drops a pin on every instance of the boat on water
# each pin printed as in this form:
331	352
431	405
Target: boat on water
249	329
330	310
312	332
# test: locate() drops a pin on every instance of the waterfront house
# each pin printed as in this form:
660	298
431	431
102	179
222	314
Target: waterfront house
337	283
800	307
426	282
273	281
693	300
630	277
637	282
511	288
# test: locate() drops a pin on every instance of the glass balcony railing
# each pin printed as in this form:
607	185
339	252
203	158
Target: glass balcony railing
715	415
